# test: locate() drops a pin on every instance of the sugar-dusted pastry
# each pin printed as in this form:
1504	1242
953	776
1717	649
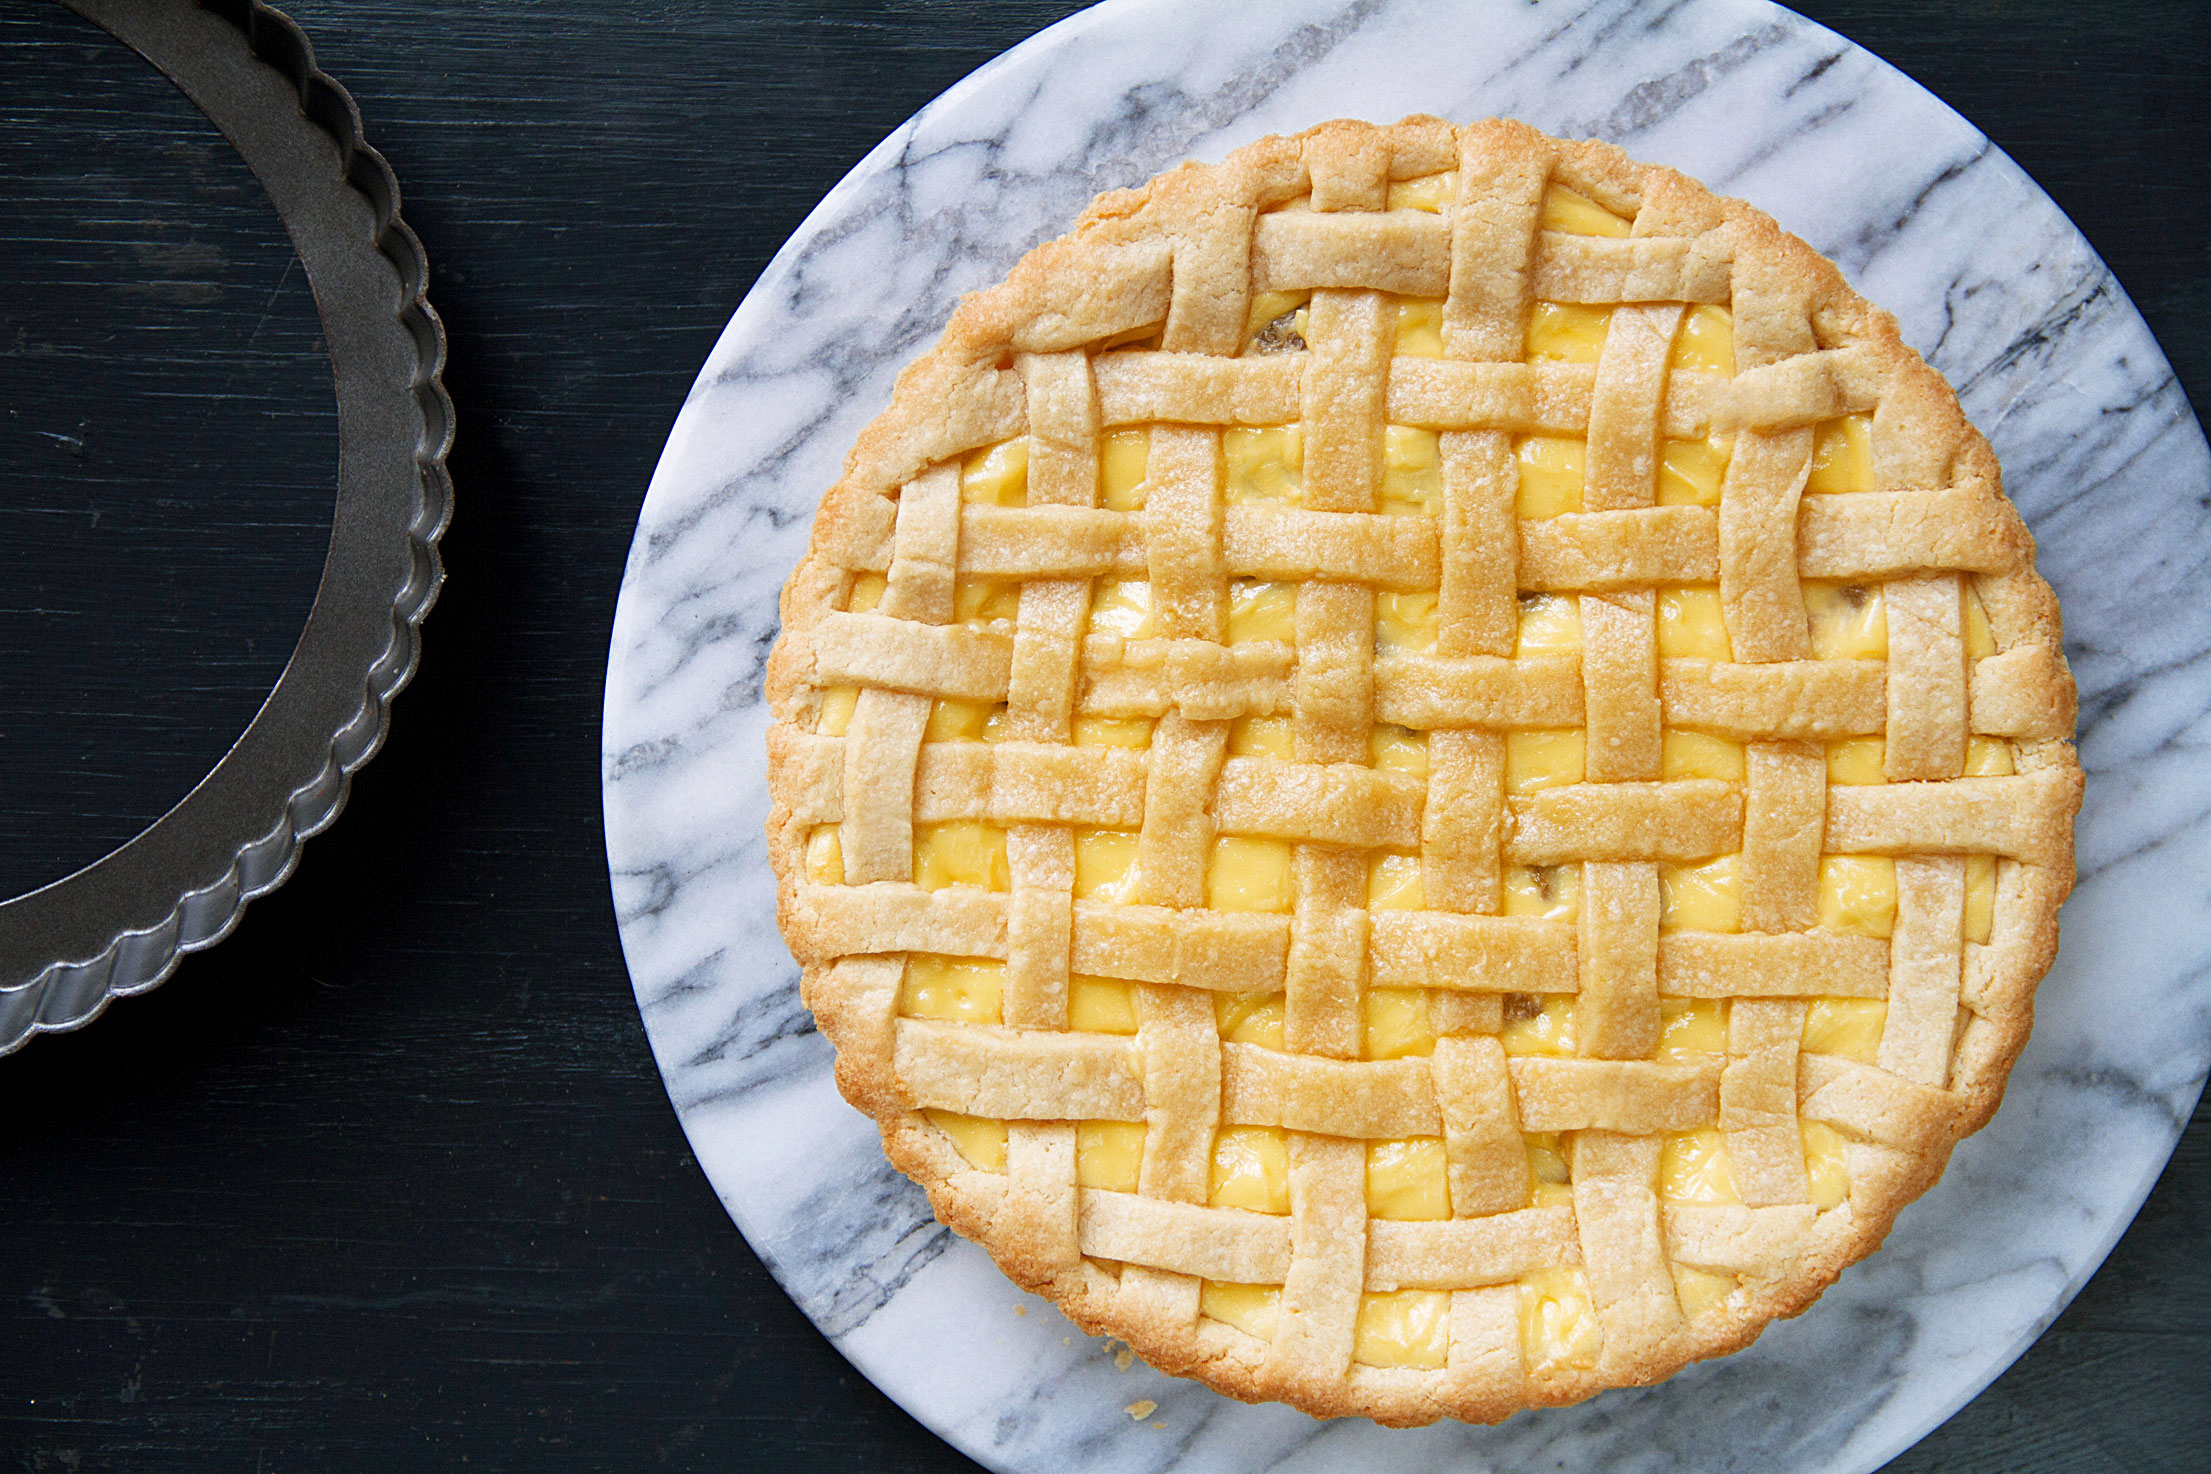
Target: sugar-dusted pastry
1422	771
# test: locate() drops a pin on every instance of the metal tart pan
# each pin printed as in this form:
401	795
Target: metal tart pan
119	925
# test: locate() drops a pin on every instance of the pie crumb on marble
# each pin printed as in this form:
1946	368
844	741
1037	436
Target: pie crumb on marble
1422	772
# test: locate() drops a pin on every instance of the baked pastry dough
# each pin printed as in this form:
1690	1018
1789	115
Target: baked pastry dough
1422	771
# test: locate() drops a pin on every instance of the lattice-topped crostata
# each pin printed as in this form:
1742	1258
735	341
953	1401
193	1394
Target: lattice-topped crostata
1423	771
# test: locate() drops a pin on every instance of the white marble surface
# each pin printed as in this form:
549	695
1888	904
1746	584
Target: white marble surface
1927	218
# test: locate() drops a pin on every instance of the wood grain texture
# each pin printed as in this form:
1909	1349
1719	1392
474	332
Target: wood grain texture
387	1180
170	441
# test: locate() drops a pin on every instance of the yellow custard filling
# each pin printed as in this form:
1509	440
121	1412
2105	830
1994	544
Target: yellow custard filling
1248	875
1980	897
1121	606
1395	1023
1402	1328
1113	731
1252	1309
1690	624
1551	469
1693	1168
1850	1027
1430	192
1826	1165
1690	1027
1546	1166
1856	761
1569	211
1419	328
1552	892
1701	1291
981	1141
1121	457
1691	472
1849	621
1251	1169
1550	624
965	721
1539	758
997	475
837	706
1275	322
1565	332
1261	611
967	990
1700	897
1105	865
1405	621
1393	882
1857	894
1407	1180
1705	342
1988	757
1249	1018
1559	1329
1264	465
961	852
1100	1005
1262	737
867	592
824	856
1398	749
1685	755
984	601
1412	471
1541	1025
1109	1154
1842	456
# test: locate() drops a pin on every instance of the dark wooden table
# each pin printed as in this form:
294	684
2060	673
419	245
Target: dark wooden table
387	1181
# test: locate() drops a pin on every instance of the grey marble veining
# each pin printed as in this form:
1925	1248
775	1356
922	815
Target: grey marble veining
1926	217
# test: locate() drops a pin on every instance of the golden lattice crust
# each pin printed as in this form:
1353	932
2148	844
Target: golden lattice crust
1142	315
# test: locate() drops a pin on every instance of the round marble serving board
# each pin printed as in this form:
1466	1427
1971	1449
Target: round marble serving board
1923	214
